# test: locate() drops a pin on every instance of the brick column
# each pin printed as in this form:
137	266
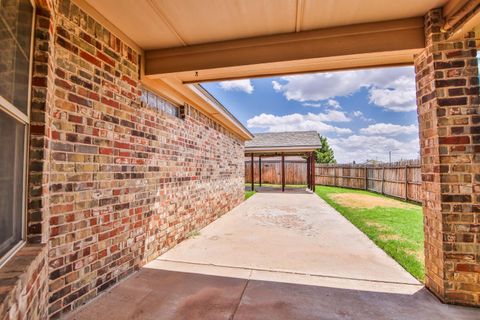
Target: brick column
449	123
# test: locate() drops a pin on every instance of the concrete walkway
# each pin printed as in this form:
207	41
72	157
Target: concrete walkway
276	256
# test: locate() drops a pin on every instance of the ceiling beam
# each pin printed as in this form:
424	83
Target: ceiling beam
355	46
465	19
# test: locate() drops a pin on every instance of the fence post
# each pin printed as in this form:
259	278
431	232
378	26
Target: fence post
406	182
335	176
383	177
366	178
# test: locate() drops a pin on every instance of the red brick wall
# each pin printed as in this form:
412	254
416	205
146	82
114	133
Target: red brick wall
23	285
126	182
112	183
448	104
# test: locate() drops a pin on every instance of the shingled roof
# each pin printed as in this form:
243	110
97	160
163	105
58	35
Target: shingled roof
284	141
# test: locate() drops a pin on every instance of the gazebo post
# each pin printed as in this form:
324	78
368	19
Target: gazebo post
252	173
308	172
260	170
313	172
283	172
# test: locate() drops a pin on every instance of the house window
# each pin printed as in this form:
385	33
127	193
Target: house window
152	100
16	22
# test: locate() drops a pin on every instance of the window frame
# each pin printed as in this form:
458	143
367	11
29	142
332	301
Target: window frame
24	119
163	97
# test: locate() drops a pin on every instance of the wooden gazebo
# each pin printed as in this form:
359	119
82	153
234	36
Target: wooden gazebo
274	144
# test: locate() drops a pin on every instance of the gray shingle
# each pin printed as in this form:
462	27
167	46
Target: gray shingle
284	139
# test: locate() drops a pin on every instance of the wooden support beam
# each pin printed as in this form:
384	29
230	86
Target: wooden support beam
283	172
313	172
364	45
252	172
309	186
260	170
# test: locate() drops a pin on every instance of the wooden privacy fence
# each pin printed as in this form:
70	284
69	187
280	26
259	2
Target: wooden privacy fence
400	179
295	172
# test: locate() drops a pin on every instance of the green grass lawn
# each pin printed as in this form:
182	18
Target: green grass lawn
395	226
248	194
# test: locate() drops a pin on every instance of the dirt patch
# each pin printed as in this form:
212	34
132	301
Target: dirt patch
419	254
357	200
389	236
377	225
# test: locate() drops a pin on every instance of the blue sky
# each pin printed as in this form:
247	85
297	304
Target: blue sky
363	113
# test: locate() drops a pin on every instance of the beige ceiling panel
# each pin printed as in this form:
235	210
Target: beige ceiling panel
139	21
330	13
201	21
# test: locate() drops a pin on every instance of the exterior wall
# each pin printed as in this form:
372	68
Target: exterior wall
112	183
448	104
24	278
127	182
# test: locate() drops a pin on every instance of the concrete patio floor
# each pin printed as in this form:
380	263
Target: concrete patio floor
276	256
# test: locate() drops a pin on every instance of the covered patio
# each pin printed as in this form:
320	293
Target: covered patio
275	256
283	144
113	153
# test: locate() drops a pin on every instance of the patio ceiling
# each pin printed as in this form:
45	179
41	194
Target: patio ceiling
195	41
160	24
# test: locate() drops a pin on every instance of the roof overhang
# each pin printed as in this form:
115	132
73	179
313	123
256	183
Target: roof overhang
460	17
279	150
194	95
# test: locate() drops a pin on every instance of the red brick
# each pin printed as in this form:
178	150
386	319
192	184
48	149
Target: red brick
454	140
90	58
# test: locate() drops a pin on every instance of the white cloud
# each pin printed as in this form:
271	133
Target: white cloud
360	148
331	103
237	85
388	129
389	88
300	122
334	104
331	116
314	105
399	96
276	86
359	114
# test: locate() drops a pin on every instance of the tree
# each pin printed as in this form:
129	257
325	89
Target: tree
325	153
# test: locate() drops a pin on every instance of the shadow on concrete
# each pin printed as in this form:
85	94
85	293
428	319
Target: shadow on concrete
163	294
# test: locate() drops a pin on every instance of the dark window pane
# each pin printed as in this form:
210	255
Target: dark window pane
15	40
12	135
151	100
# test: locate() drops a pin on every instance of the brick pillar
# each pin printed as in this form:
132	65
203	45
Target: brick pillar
449	123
